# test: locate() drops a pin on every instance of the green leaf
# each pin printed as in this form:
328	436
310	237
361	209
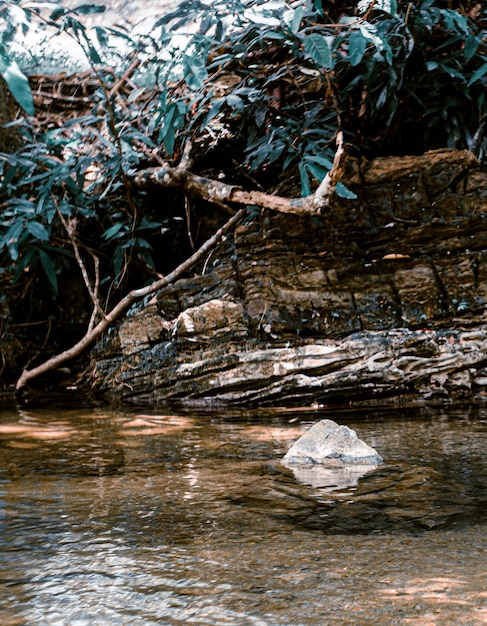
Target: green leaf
173	120
316	46
471	45
293	18
37	230
139	242
219	31
170	140
23	262
86	9
318	6
17	83
102	36
11	239
451	71
144	248
356	47
305	186
146	223
93	53
345	192
216	105
454	19
195	72
57	13
327	163
9	175
316	171
235	102
118	258
477	75
114	231
49	268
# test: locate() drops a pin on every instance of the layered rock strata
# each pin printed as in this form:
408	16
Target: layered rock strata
383	296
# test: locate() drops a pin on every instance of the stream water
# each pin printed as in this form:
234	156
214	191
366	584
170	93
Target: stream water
111	517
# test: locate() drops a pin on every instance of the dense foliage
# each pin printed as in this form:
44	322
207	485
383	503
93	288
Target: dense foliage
260	88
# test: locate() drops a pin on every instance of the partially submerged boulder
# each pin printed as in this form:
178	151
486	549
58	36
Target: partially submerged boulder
326	442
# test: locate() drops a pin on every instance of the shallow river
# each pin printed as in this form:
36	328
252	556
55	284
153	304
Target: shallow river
110	517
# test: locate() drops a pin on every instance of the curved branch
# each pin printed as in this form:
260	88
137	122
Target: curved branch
215	191
124	304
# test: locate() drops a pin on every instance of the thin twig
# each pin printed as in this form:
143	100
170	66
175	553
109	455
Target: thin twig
479	136
186	161
74	244
124	79
59	97
187	210
96	287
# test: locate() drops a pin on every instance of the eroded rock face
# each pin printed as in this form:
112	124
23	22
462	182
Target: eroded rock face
10	136
328	443
384	296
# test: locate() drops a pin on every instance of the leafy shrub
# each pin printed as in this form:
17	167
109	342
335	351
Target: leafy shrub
273	80
395	77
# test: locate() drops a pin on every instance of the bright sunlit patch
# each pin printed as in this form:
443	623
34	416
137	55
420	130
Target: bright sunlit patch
35	432
50	434
427	585
157	424
21	445
13	429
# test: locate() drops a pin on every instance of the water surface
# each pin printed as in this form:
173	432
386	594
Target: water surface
111	517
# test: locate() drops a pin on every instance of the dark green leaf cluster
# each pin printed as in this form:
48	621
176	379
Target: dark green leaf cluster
271	82
396	77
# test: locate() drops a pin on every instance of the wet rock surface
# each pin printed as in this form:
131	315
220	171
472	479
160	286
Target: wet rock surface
383	296
328	443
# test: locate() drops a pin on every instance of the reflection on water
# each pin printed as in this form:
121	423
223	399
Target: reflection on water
330	478
123	518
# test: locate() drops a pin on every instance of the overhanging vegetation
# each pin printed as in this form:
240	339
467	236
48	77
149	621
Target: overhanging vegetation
255	100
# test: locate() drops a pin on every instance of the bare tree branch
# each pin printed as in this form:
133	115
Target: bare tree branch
215	191
208	189
327	187
124	304
70	228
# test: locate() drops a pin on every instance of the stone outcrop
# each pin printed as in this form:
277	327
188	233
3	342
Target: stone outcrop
383	296
10	135
328	443
329	456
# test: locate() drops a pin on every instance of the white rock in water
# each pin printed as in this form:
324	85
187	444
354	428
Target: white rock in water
329	443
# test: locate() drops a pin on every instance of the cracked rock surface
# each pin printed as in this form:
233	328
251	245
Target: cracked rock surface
383	296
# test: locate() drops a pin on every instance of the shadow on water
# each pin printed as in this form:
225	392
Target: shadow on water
395	497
